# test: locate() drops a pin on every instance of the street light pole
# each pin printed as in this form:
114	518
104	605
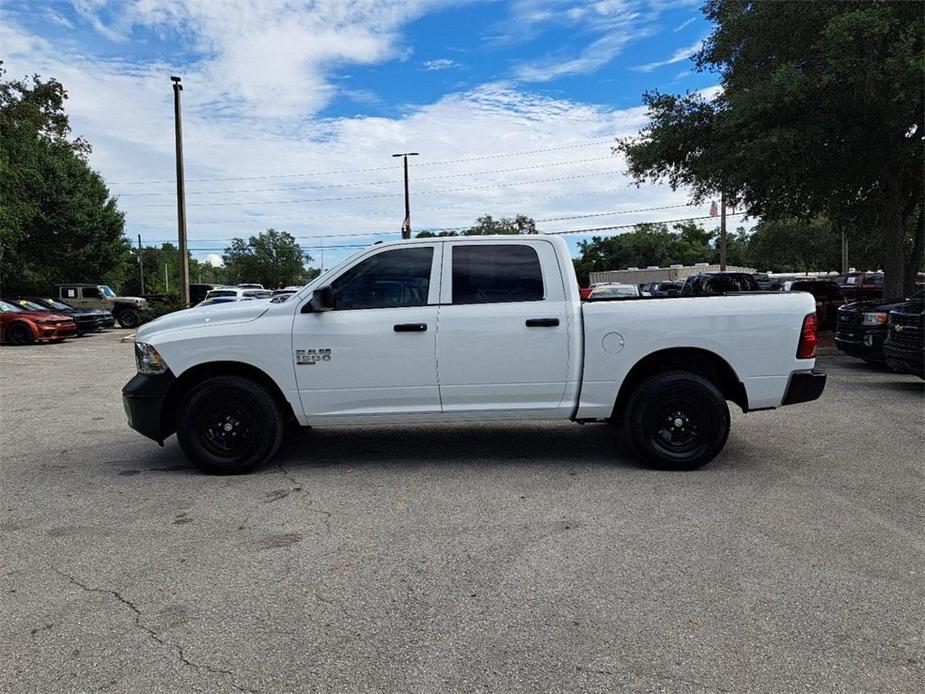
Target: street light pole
181	193
406	224
722	231
141	265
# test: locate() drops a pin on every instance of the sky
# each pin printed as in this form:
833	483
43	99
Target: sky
292	110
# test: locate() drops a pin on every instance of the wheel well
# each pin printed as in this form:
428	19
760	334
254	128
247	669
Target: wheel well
197	374
699	361
29	326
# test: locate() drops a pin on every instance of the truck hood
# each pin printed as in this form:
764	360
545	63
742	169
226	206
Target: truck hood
203	317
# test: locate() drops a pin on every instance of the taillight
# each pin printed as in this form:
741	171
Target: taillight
806	349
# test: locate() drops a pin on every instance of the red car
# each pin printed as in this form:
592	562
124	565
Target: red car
21	327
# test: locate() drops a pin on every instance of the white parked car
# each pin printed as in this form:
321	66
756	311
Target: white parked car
226	295
614	291
501	316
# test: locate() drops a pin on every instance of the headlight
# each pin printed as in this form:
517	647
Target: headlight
875	318
149	359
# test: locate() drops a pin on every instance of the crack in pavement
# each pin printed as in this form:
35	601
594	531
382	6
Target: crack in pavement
333	603
153	635
296	486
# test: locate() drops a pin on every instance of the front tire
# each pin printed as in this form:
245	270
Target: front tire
677	420
128	318
229	425
19	334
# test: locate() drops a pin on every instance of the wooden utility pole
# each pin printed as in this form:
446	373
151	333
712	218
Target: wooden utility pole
141	265
722	231
844	253
181	194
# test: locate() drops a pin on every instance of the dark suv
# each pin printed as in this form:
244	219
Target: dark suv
708	283
861	328
905	340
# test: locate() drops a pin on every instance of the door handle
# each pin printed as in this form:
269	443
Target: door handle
542	322
410	327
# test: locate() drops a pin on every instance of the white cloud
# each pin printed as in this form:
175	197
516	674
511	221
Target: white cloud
439	64
676	57
612	25
594	56
213	259
266	57
685	23
125	110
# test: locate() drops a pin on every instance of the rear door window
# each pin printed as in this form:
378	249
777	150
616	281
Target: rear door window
496	273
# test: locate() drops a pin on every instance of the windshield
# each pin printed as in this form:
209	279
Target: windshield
106	291
6	307
221	292
612	291
730	283
258	294
60	305
31	305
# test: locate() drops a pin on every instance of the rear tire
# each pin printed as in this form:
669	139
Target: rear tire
677	420
128	318
19	334
229	425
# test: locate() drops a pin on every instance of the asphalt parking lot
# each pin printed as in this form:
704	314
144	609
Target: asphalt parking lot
458	558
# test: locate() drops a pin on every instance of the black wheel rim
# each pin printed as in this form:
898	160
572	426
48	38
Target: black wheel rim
18	335
128	319
227	428
678	424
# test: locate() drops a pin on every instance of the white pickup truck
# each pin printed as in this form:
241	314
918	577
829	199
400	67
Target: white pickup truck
468	329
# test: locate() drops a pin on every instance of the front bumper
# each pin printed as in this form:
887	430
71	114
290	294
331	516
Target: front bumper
143	399
55	332
866	344
908	361
804	386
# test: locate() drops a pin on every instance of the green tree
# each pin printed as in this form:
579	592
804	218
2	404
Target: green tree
58	222
820	113
272	258
162	271
647	244
486	225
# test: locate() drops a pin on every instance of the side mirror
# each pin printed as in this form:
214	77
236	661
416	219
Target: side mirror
322	300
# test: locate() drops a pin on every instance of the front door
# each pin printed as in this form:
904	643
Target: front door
374	356
503	345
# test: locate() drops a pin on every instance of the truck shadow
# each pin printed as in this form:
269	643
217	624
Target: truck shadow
438	444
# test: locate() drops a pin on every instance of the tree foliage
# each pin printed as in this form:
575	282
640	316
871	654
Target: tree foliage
272	258
820	113
58	222
486	225
645	245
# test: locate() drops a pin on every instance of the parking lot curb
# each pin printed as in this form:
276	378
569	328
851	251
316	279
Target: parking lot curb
128	338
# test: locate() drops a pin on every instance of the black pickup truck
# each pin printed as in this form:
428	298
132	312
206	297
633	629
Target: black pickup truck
904	347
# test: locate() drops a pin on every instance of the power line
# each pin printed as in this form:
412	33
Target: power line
386	195
458	228
376	183
262	218
558	148
636	224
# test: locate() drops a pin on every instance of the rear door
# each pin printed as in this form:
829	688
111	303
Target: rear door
503	340
374	356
